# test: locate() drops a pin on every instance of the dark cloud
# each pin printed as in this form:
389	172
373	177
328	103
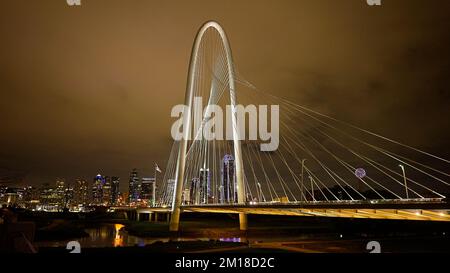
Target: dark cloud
89	89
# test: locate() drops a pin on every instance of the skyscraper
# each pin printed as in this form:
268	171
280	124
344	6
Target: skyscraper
97	190
106	190
147	188
30	197
60	191
115	191
228	187
170	189
81	192
133	186
49	198
186	196
194	191
204	187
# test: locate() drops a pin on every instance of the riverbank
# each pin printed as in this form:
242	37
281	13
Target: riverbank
223	225
159	246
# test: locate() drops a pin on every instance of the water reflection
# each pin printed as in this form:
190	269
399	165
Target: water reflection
114	235
118	239
232	239
106	235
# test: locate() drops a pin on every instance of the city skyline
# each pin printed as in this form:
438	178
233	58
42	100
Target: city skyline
103	190
200	128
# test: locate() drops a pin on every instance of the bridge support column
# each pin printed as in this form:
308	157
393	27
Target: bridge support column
243	224
138	216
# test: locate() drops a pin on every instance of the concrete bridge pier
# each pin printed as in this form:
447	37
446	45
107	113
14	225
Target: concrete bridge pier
153	216
243	221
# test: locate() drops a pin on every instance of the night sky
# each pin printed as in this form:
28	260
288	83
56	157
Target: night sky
89	89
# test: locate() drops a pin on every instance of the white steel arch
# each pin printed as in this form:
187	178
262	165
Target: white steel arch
181	161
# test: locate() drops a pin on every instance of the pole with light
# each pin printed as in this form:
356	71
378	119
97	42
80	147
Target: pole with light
157	169
312	188
258	190
404	179
301	188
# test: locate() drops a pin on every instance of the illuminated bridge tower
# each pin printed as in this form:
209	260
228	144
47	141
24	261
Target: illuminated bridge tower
193	81
205	186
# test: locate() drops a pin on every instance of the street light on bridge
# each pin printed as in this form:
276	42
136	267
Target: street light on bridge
404	179
261	197
301	189
312	188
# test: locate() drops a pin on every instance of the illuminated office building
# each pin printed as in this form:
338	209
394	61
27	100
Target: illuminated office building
97	190
147	189
228	187
115	192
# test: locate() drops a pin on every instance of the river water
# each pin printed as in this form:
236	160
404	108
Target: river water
115	235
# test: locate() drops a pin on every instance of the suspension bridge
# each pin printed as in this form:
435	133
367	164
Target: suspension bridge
322	167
